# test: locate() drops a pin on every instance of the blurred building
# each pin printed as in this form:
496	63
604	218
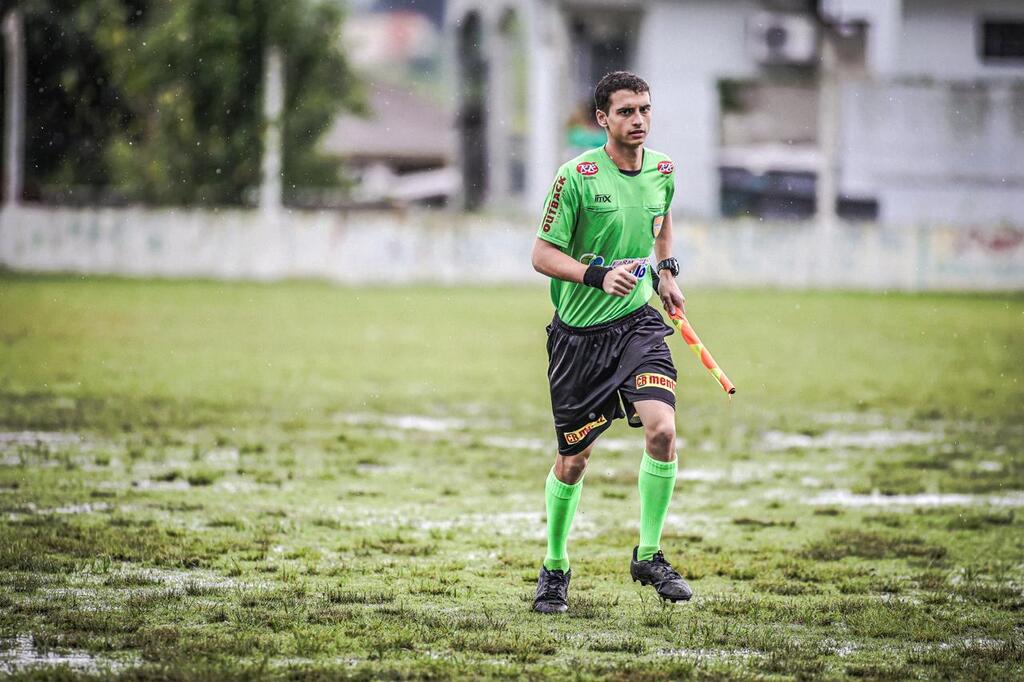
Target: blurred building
403	150
905	111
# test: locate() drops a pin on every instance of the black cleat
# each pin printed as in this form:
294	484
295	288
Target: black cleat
659	572
552	591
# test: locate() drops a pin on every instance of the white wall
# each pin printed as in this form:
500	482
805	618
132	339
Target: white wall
682	50
548	108
930	152
940	38
884	19
546	45
382	249
936	152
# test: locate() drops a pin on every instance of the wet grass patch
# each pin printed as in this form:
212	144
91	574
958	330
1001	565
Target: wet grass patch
842	543
57	543
342	596
629	645
202	477
590	607
271	536
762	522
973	521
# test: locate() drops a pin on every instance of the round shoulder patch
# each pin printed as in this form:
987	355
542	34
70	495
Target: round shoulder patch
666	167
586	168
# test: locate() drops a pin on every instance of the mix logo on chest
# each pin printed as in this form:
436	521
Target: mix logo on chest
586	168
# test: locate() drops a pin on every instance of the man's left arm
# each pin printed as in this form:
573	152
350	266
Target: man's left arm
668	289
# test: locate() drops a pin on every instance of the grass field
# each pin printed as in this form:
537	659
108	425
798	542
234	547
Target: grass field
228	481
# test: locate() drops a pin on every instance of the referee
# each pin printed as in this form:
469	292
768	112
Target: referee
607	356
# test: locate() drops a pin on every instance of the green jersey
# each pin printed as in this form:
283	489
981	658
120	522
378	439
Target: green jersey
600	215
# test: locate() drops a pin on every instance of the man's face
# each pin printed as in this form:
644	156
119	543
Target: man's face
628	120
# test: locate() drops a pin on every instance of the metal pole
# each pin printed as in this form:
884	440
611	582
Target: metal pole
828	133
499	110
273	106
14	118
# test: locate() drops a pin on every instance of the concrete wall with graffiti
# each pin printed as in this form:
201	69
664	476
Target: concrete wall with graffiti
392	248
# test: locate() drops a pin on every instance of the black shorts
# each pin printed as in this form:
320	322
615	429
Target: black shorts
597	373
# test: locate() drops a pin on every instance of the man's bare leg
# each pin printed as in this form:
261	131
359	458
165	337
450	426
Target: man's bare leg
659	420
569	470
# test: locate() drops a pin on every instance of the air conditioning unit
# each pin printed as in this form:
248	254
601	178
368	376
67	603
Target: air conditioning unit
774	38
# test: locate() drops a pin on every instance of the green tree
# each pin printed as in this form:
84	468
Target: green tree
72	108
193	76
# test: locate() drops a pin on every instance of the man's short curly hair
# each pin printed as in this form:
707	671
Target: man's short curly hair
615	81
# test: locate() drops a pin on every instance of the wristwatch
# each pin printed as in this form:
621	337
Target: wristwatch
670	264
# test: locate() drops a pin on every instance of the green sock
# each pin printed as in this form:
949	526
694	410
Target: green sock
561	500
656	481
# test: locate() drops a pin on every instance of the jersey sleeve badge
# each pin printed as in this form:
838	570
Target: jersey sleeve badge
666	167
656	225
586	168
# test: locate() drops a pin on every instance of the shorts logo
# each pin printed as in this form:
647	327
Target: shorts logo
573	437
656	380
586	168
656	225
556	198
666	167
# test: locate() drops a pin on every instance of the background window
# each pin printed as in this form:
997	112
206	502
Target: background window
1002	40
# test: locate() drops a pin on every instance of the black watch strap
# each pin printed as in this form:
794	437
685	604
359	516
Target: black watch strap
669	264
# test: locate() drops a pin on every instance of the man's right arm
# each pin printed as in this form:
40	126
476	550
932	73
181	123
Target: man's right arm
561	209
549	260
